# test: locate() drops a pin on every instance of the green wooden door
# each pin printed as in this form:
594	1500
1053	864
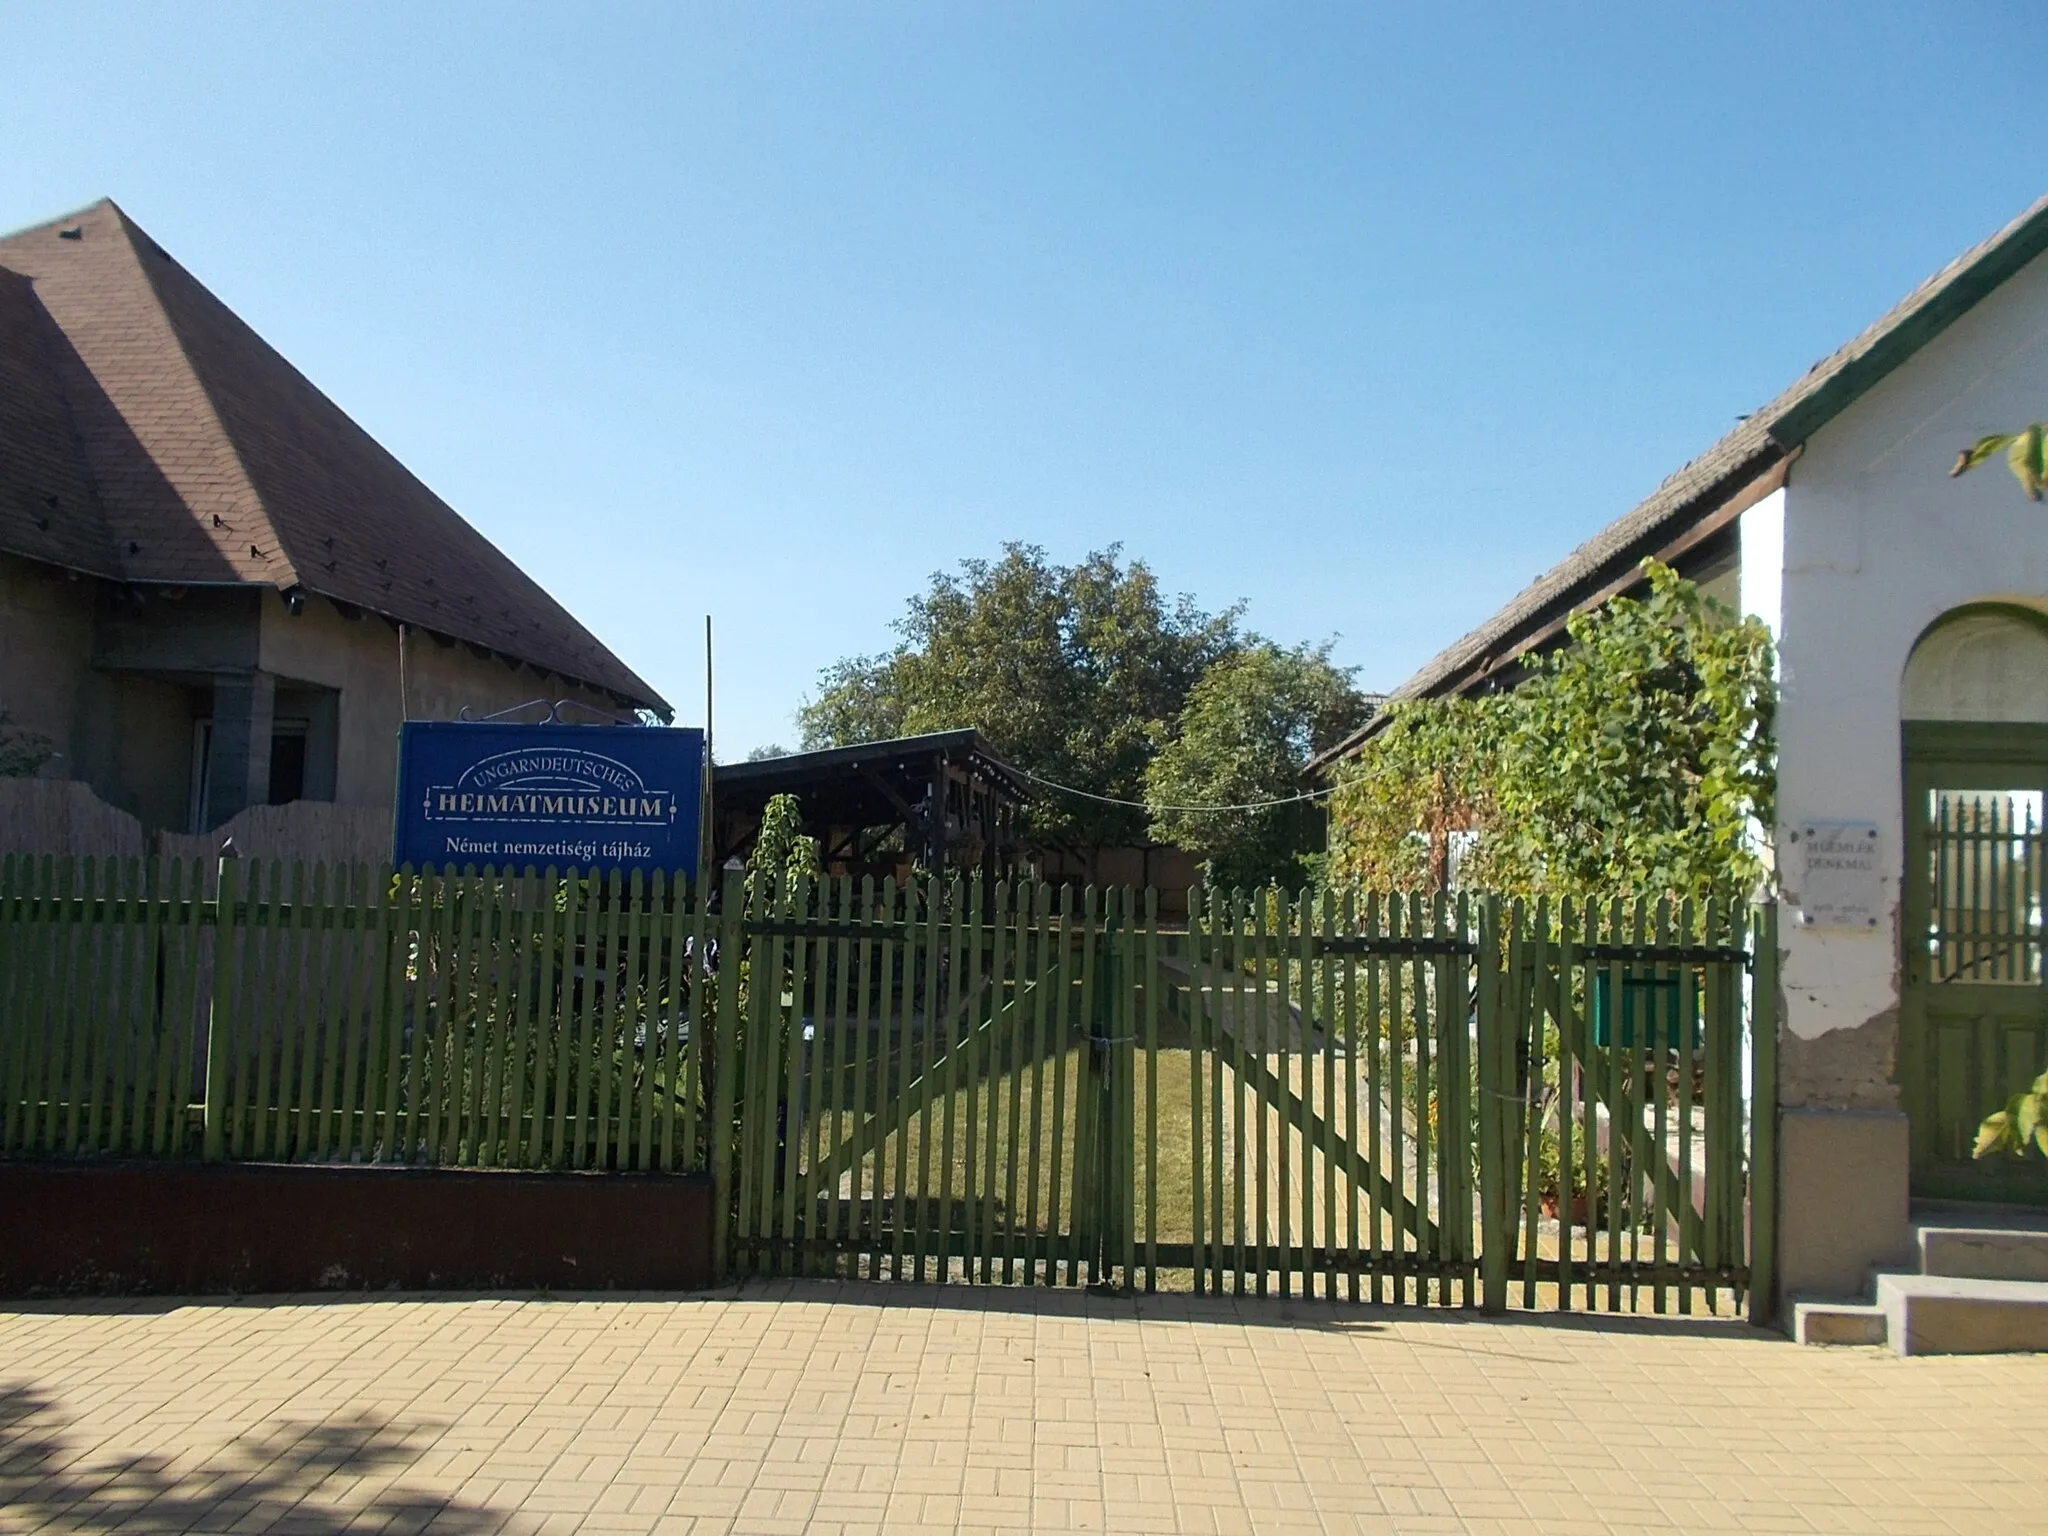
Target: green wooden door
1974	1009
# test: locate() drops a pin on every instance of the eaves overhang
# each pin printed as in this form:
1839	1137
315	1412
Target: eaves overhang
1710	492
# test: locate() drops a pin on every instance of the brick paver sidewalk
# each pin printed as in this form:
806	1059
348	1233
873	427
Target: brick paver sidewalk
822	1407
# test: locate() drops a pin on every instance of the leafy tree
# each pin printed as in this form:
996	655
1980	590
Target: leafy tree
858	700
2026	455
1250	724
763	754
1073	672
1639	756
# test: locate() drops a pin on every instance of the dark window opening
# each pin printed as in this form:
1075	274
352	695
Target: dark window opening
287	768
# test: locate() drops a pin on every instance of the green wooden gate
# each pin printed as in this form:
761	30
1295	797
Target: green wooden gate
1379	1098
1386	1098
1973	1025
924	1088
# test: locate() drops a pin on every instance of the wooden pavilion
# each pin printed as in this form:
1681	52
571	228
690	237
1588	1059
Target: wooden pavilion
945	800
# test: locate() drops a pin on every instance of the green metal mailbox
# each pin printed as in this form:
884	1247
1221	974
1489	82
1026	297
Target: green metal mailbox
1652	1009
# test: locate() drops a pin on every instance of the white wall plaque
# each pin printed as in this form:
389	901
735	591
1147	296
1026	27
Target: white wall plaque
1842	879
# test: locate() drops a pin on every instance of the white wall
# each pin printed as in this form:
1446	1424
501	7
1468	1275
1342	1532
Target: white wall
1763	562
1877	544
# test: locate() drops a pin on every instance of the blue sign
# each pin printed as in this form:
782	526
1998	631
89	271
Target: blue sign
570	796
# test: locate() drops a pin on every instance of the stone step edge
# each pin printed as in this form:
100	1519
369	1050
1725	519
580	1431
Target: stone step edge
1839	1323
1985	1253
1963	1288
1959	1314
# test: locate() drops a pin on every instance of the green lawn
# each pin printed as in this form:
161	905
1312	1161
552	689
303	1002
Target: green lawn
977	1143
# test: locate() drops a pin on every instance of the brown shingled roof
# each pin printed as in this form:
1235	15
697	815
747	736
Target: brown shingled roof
49	509
186	451
1758	446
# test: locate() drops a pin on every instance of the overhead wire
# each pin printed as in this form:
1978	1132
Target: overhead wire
1195	810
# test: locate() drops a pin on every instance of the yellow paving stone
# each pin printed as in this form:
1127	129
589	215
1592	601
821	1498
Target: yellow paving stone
821	1406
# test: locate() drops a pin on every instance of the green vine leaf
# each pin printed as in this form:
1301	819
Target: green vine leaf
2023	1123
782	849
2026	454
1641	756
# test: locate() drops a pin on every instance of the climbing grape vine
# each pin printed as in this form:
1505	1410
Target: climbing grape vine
1639	756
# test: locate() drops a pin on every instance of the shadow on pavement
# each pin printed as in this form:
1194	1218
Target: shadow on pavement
1270	1311
286	1477
1248	1311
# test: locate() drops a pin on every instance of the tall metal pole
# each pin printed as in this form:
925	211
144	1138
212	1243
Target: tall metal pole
707	805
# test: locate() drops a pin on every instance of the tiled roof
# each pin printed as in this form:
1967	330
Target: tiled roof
1761	441
198	455
49	509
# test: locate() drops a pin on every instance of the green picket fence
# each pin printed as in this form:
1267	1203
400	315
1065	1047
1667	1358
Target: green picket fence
1375	1097
349	1014
1379	1098
920	1080
101	997
1638	1057
1335	1108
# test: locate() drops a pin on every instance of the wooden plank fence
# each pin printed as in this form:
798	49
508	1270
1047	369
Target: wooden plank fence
349	1014
1387	1098
1364	1096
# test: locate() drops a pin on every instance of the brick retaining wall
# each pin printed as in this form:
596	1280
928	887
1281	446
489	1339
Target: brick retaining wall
195	1228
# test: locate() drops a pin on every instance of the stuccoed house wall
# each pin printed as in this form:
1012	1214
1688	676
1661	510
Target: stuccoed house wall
1867	547
116	682
45	644
128	734
359	657
191	532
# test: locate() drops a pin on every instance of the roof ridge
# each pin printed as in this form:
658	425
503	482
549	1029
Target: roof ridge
130	230
218	460
63	218
1759	441
2012	246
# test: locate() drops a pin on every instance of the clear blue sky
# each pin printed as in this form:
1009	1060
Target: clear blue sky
1364	314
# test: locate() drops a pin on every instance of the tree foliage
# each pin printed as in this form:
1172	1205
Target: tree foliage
1073	672
1249	726
1640	756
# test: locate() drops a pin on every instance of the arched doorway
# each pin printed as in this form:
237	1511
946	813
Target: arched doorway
1973	1025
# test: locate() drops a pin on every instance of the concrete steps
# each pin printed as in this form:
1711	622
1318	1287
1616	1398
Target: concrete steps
1838	1322
1984	1253
1980	1289
1962	1315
